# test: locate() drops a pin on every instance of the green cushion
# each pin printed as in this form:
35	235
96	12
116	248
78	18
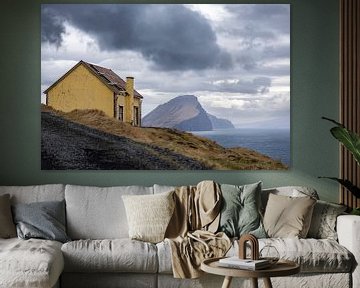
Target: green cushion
240	213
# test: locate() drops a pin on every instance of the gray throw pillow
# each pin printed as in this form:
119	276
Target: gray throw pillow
240	213
44	220
7	226
323	222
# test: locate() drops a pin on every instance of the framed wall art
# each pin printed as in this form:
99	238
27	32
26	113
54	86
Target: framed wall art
165	86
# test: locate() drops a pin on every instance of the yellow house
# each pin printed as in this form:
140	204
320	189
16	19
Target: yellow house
88	86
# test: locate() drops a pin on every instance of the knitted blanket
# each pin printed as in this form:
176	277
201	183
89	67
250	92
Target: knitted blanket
191	232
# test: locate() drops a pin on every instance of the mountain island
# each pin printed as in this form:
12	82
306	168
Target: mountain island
184	113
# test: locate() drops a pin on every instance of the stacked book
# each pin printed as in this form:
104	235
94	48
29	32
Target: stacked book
248	264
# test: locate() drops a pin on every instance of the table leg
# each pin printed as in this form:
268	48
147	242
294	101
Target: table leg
254	282
227	282
267	283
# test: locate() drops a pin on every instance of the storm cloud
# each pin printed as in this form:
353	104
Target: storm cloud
259	85
234	57
172	37
272	18
52	28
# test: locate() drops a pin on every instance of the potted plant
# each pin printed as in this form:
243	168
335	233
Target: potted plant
351	141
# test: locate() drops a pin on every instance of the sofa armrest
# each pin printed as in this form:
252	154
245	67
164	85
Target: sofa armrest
348	230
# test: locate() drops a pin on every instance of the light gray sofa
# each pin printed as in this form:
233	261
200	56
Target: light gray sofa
101	254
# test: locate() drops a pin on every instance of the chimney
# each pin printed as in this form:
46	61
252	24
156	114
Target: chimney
129	87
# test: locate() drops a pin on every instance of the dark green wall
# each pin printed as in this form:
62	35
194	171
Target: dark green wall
314	93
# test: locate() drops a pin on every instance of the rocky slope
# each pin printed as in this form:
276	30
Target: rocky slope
88	139
68	145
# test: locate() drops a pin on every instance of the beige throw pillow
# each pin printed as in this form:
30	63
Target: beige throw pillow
7	226
288	217
149	215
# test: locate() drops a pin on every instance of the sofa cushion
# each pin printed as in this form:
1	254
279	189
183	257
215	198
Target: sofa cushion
164	257
163	188
36	193
43	220
323	222
30	263
7	226
287	216
240	210
291	191
313	255
117	255
98	213
149	215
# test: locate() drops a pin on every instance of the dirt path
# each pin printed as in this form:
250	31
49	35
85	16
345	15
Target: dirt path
68	145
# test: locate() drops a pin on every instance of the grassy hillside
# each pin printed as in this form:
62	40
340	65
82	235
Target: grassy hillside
187	144
67	145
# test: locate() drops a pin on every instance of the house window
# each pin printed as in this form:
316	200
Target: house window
121	113
136	116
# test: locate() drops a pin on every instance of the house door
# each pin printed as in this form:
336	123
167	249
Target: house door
121	113
136	116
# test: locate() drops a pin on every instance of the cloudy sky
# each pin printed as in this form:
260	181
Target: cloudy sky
235	58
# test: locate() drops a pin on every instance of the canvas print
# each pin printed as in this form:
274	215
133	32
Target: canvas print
165	86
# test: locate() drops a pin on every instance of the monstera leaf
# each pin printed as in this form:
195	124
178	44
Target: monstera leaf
348	138
352	142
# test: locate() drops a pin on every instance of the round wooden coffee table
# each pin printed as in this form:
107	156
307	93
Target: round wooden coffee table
281	268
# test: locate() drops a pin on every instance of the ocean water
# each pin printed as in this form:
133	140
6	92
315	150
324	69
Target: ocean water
272	142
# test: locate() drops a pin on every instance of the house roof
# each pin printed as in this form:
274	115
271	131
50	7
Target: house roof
113	81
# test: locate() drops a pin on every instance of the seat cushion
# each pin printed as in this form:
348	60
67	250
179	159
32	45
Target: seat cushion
117	255
98	213
30	263
164	257
313	255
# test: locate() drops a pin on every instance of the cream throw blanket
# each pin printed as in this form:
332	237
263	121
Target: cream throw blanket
191	231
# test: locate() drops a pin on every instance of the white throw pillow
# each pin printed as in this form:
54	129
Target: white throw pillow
149	215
